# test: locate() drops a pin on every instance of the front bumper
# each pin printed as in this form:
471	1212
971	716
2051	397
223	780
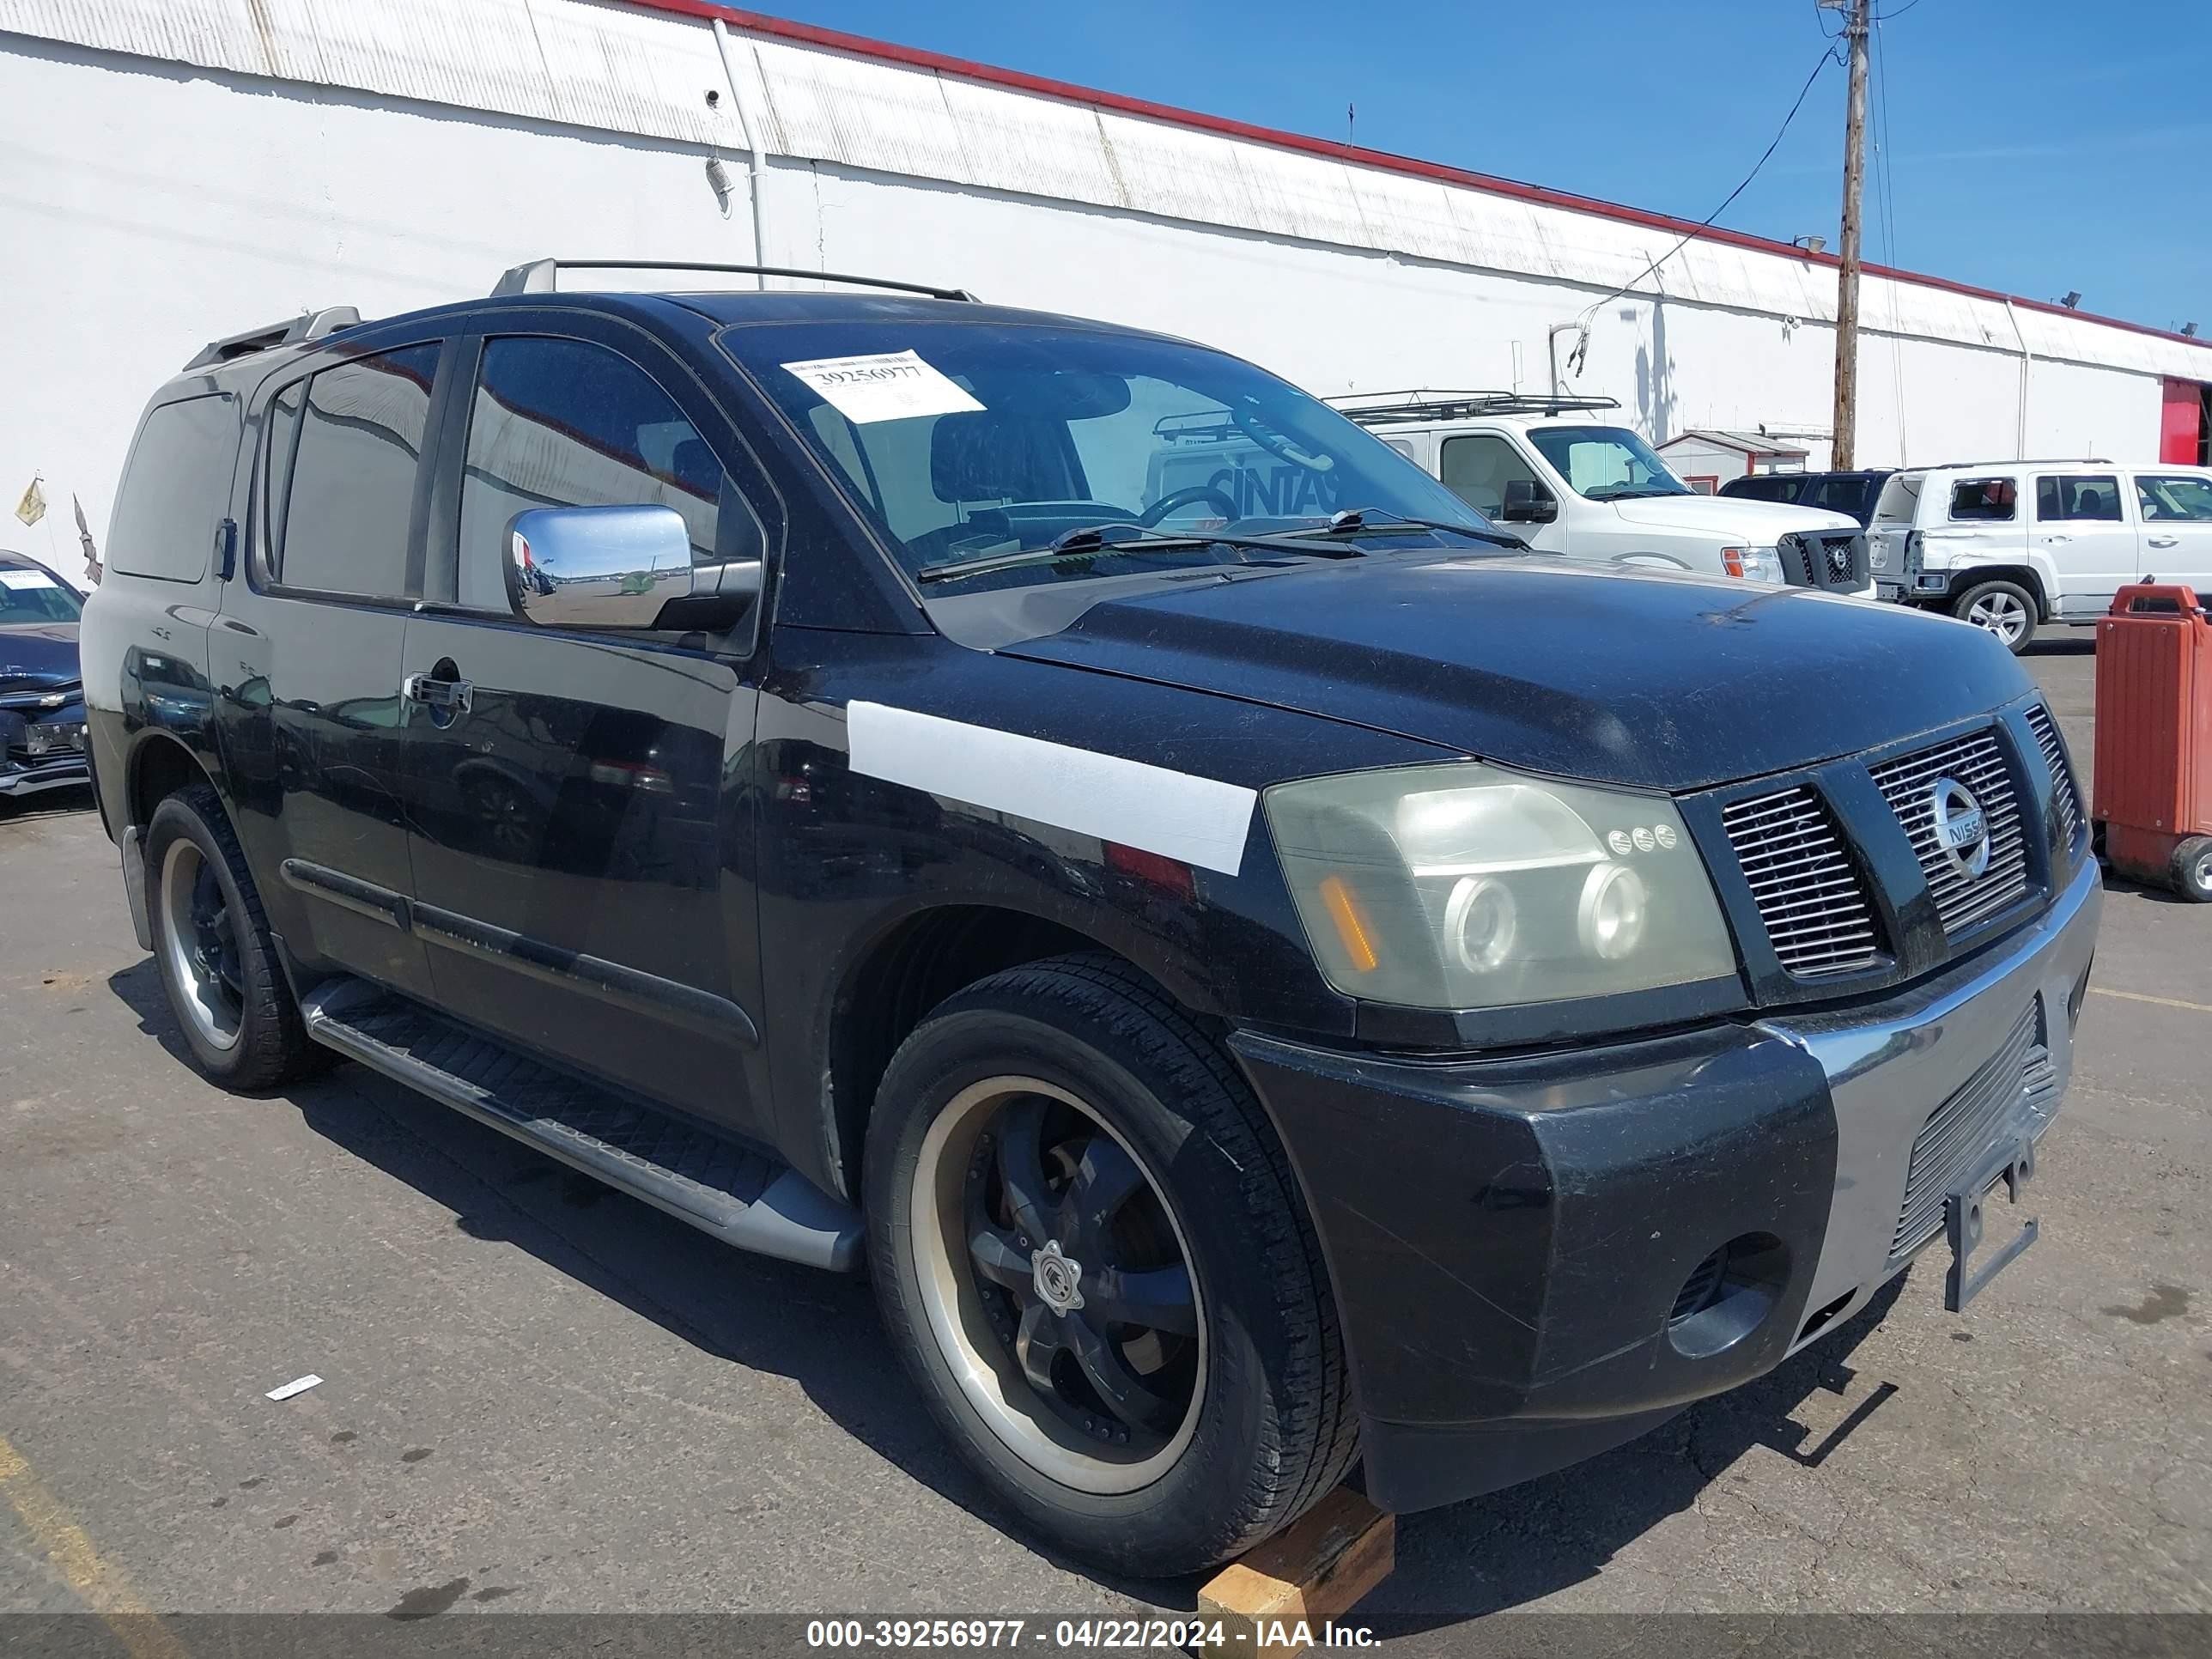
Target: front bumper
1508	1238
41	748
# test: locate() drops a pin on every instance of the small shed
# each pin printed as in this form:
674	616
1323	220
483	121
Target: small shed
1704	460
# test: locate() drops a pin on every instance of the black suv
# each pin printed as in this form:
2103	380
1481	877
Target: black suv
1853	492
1258	991
41	700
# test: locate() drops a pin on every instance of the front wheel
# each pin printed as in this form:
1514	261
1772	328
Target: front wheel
1091	1253
2003	608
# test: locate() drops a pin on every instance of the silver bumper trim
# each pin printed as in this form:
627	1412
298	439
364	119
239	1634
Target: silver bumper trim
1887	1073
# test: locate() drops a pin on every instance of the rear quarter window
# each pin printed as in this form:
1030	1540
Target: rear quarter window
1987	501
176	489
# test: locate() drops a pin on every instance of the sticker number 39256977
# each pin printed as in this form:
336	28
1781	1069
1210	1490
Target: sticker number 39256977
889	386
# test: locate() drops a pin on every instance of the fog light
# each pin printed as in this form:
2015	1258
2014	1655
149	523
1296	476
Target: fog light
1611	915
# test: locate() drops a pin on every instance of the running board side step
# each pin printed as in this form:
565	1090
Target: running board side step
716	1185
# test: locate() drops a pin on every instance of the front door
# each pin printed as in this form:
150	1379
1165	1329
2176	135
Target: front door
2082	527
2177	527
582	837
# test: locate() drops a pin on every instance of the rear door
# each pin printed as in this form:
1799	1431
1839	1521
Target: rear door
307	659
2177	527
582	837
2084	531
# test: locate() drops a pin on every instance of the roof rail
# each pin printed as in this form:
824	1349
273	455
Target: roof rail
2032	460
536	275
1426	405
293	331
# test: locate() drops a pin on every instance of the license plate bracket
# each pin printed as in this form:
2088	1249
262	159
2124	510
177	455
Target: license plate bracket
2012	1165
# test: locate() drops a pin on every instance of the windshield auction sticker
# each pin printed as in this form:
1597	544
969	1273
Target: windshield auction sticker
889	386
27	579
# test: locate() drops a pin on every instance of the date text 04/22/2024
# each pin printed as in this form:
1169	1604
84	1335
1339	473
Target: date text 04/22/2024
1177	1635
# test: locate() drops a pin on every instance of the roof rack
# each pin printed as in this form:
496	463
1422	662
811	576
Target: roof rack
293	331
1426	405
536	275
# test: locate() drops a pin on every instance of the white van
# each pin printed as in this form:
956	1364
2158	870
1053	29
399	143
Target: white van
2008	544
1573	485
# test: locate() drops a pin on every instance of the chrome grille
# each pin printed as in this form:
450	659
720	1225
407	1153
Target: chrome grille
1833	560
1960	1131
1808	894
1975	761
2061	781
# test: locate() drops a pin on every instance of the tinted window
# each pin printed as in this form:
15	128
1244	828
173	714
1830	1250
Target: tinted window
2095	495
28	594
342	523
566	424
1478	467
176	487
1983	498
2174	497
1765	490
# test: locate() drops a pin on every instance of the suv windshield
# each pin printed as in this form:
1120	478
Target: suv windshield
1605	463
31	595
969	443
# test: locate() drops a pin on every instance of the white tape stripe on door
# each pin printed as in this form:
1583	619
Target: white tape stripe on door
1200	821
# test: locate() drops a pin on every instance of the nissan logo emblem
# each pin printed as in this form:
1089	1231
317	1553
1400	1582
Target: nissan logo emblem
1962	828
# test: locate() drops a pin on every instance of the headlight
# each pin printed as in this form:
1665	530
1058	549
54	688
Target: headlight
1754	564
1464	886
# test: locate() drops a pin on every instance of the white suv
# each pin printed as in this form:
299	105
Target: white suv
1572	484
2008	544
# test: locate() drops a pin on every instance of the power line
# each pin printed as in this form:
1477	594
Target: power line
1883	17
1582	322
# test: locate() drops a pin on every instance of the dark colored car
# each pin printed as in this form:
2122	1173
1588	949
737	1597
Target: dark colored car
41	700
1854	493
1259	993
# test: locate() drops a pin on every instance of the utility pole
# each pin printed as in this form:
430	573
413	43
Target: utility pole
1845	446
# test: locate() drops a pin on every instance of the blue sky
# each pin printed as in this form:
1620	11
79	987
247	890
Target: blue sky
2035	146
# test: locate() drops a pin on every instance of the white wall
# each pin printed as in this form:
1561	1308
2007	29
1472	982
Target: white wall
154	201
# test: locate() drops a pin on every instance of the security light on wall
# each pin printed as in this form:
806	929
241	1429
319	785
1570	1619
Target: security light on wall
2073	298
2189	331
1810	244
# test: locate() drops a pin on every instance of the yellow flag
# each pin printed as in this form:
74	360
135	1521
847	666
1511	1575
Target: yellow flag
33	506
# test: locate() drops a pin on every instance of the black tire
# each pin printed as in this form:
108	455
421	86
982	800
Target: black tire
271	1045
2192	870
1995	606
1271	1429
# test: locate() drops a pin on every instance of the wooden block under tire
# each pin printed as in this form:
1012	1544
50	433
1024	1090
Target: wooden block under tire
1314	1571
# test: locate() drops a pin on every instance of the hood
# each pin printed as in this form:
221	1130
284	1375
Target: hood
1646	679
1757	522
33	654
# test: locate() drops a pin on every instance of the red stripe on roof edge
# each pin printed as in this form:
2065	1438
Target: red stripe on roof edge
861	45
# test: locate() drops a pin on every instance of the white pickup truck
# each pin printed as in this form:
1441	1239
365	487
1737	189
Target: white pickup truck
1552	469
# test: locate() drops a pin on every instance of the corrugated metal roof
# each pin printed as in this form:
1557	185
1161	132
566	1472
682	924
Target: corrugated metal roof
642	69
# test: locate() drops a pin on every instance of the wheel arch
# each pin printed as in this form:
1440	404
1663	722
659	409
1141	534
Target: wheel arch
160	764
908	969
2024	575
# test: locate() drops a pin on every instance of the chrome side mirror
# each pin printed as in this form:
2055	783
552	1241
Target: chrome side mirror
598	566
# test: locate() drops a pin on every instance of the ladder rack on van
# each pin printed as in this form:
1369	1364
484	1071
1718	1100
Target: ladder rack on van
538	276
1426	405
293	331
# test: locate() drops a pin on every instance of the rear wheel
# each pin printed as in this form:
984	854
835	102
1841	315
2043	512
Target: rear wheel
2003	608
1090	1251
213	949
2192	869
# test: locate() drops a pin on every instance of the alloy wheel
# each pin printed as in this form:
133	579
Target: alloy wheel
199	937
1058	1285
2001	614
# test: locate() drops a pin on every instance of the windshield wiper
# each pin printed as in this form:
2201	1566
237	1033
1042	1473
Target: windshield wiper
1369	521
1093	542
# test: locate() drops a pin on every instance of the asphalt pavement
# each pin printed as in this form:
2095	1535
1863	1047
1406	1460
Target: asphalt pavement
539	1396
